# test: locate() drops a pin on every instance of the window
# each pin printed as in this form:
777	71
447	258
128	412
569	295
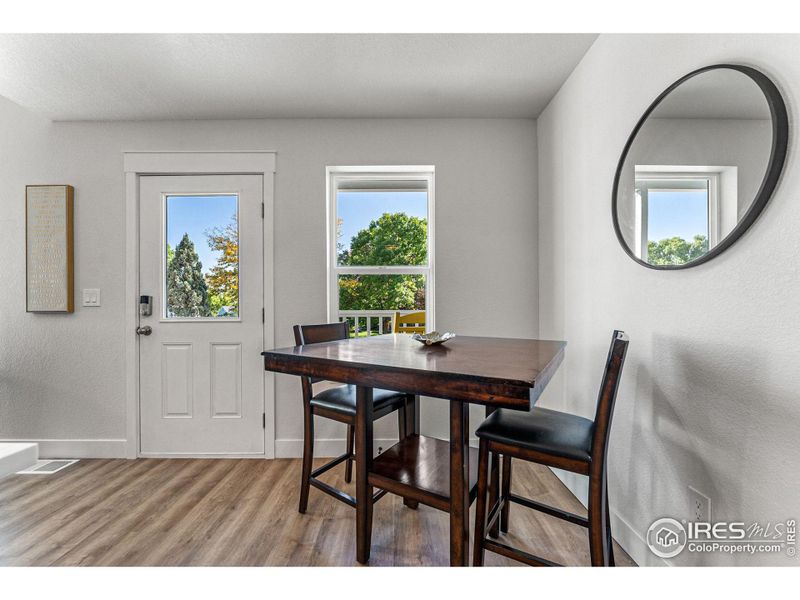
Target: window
201	256
681	212
380	245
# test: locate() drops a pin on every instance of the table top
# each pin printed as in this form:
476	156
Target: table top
503	371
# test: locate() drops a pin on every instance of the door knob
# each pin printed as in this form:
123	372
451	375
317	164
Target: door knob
146	330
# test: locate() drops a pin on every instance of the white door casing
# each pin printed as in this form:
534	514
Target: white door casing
201	380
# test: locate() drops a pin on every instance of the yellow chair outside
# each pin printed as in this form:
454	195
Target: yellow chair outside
410	323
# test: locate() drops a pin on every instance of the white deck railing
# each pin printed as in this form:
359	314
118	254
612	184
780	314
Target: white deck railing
370	322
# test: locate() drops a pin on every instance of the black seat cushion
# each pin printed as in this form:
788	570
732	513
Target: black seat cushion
542	430
342	399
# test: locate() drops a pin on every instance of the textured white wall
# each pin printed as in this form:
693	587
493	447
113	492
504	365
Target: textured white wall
63	376
710	395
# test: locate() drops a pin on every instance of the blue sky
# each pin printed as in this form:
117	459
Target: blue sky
194	215
684	214
357	209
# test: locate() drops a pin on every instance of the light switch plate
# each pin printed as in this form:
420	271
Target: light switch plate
91	297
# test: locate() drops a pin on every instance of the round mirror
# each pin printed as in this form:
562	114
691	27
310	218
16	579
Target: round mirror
699	166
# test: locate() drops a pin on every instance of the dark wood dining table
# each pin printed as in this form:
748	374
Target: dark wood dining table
494	372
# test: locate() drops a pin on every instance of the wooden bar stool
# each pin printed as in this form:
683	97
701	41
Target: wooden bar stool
555	439
339	404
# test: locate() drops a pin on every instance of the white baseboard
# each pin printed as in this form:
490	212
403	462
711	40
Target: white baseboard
624	533
79	448
634	544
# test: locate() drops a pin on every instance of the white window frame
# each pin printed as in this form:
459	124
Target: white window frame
711	175
335	175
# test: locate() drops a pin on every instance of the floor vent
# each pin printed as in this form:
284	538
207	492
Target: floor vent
48	467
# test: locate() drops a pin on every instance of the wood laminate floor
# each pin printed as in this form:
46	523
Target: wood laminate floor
243	512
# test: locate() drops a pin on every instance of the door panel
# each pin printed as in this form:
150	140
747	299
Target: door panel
226	380
201	258
176	380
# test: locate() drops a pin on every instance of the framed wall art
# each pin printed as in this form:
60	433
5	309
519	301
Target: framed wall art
49	270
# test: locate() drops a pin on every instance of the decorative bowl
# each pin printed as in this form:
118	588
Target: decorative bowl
434	338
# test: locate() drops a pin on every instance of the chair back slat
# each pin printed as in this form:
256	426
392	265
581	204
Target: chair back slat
608	396
408	323
317	334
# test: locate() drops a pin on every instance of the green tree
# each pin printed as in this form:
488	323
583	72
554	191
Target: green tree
676	250
392	239
381	292
223	279
187	293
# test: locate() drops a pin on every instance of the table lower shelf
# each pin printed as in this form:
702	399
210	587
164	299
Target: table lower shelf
418	468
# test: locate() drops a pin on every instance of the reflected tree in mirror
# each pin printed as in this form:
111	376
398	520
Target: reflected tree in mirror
676	250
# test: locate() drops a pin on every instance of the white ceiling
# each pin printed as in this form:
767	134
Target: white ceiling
215	76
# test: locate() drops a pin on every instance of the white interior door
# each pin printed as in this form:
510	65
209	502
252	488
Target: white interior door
201	259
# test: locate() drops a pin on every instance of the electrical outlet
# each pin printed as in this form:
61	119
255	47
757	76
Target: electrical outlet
700	506
380	449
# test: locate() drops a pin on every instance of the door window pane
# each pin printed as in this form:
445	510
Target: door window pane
382	227
202	256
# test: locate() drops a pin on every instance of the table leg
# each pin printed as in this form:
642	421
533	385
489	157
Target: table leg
363	466
494	482
459	483
411	409
414	415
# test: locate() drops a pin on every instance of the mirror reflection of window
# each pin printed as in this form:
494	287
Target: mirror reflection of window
682	211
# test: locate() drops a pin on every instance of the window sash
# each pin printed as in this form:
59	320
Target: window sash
340	182
381	270
360	178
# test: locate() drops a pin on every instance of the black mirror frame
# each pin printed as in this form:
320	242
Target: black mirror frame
777	158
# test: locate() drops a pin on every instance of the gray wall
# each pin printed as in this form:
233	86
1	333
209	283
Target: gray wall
710	393
62	377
